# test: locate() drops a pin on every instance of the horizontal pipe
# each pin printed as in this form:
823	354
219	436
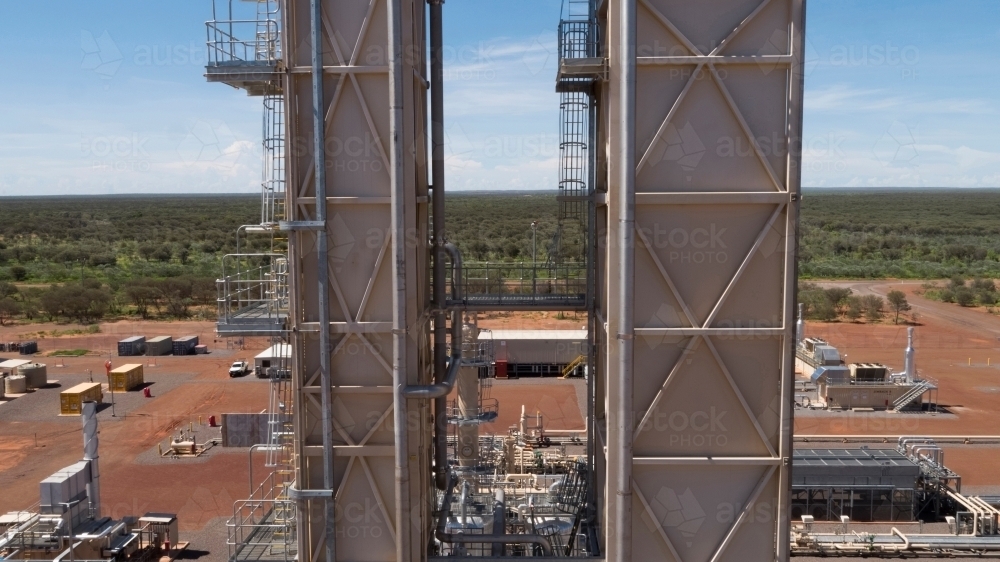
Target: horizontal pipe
871	438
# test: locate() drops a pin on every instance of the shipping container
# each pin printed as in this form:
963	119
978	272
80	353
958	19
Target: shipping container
185	345
126	377
28	348
160	345
71	401
130	347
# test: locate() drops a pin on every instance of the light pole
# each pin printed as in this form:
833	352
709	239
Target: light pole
534	269
111	385
69	506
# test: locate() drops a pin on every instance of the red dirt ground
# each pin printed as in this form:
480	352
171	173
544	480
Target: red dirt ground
947	337
197	490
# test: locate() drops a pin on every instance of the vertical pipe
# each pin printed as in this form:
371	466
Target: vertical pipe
399	301
322	271
90	453
499	521
621	549
438	279
793	184
800	326
910	368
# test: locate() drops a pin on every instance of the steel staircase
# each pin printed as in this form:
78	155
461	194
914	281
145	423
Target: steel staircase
911	395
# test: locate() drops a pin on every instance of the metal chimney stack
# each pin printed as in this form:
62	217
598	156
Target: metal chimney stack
909	367
800	326
90	455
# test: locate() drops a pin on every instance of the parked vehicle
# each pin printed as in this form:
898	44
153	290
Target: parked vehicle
239	368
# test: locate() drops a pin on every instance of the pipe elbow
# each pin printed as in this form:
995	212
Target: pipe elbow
441	389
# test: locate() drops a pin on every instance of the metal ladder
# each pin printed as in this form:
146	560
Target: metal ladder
268	37
273	177
577	39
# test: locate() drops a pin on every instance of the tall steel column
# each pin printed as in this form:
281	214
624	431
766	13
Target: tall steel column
703	107
357	199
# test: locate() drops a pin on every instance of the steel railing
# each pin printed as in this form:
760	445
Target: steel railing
253	289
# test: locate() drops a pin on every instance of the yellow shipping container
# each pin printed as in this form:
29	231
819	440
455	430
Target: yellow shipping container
71	401
126	377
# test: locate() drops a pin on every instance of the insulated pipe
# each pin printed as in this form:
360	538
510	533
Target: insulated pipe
906	541
444	536
437	242
800	326
499	521
621	519
399	300
439	390
461	502
908	357
90	454
443	387
322	272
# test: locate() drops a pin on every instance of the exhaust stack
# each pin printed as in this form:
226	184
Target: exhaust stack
909	367
90	455
800	326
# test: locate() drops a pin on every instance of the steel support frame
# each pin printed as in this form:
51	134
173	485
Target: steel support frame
659	495
359	336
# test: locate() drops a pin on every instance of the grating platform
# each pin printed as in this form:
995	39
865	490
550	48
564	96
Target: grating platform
255	320
572	302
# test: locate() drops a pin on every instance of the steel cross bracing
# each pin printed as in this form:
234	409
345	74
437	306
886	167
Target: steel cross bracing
702	213
371	210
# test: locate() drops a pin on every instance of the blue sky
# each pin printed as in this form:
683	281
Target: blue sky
108	97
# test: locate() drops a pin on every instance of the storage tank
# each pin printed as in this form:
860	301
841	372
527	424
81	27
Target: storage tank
160	345
35	374
15	384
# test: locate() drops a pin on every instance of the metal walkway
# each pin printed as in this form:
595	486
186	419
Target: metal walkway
522	286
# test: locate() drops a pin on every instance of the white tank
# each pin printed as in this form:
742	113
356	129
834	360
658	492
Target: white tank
35	374
15	384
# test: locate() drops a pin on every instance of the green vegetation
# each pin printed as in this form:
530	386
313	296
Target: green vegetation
977	292
838	303
83	259
900	234
497	227
69	353
116	238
